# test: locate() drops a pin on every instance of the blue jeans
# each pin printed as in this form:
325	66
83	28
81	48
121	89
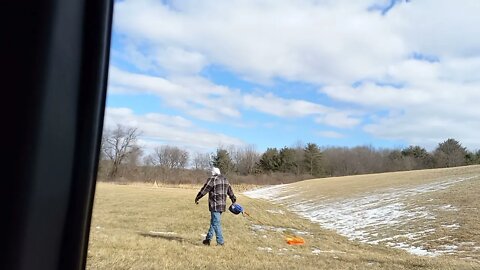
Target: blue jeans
215	227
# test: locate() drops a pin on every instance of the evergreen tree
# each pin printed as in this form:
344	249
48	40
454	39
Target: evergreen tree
269	161
288	161
473	157
313	160
420	157
223	161
450	153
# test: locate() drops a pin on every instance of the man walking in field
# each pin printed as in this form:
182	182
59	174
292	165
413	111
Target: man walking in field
218	188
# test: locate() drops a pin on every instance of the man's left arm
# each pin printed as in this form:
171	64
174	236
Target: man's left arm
231	195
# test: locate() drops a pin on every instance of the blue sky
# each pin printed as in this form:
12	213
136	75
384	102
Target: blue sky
204	74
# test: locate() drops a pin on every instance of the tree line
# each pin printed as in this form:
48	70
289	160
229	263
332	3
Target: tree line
122	159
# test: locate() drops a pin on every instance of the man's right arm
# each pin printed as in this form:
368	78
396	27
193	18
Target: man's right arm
205	189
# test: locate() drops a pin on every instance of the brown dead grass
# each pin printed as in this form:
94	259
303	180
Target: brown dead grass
457	223
145	227
346	186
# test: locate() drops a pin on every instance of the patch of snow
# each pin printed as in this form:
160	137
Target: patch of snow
416	250
263	228
257	227
268	193
163	233
276	212
412	235
448	247
283	198
419	251
441	238
359	218
448	207
452	226
365	216
267	249
318	251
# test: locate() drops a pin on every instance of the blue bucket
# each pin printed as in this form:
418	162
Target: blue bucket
236	208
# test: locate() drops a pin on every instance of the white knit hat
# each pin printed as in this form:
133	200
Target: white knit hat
215	171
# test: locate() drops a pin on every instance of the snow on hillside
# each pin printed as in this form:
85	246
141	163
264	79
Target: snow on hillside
368	217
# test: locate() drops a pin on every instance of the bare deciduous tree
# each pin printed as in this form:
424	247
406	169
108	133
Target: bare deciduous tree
245	159
117	144
201	161
338	161
134	157
170	157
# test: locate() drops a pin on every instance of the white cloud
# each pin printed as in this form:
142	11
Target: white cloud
339	120
303	40
375	96
461	70
427	129
442	28
331	134
180	61
160	129
278	106
193	95
160	59
425	111
328	43
136	82
133	55
203	100
294	108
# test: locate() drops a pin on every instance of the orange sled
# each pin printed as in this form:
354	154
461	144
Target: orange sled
295	240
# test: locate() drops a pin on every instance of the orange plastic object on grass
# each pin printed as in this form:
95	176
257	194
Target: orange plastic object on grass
295	240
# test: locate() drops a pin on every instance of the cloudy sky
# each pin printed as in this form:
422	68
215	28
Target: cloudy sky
199	74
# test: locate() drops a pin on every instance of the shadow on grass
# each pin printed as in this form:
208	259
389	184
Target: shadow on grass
163	236
170	238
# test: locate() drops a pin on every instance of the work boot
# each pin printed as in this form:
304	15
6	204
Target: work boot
206	242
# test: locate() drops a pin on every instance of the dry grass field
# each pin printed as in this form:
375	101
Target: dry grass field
145	227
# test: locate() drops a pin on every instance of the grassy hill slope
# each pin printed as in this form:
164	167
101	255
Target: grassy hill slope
143	227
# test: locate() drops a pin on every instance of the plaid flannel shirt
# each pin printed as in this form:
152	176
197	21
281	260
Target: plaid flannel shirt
217	188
